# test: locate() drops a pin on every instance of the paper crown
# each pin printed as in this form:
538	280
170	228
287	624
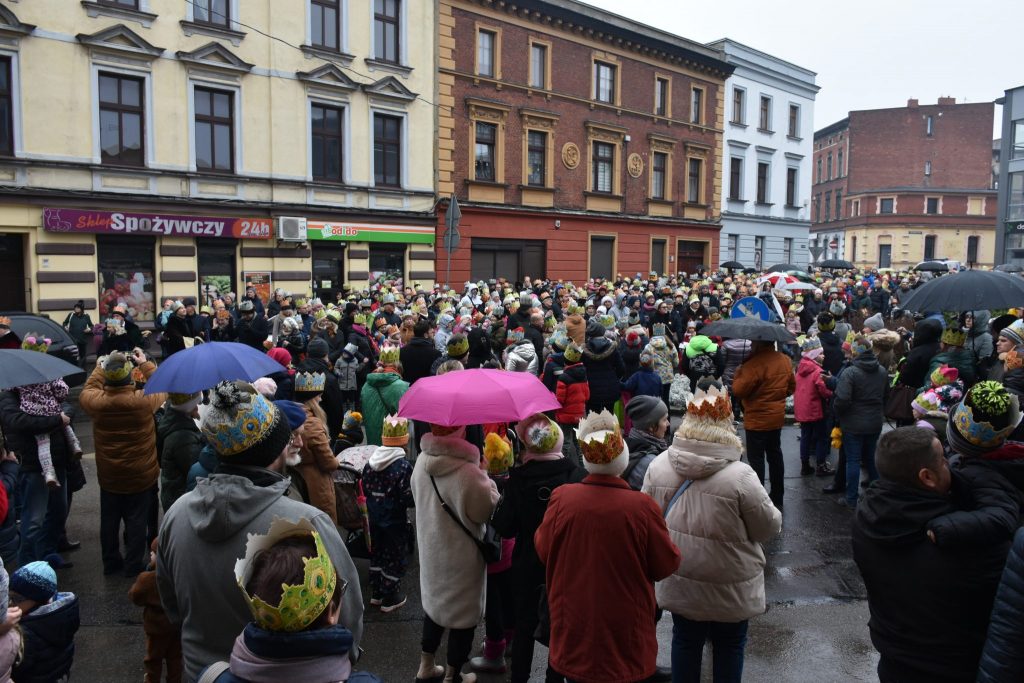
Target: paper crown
300	604
389	354
600	438
117	367
395	431
927	403
954	337
943	375
539	433
607	321
34	342
312	382
573	353
5	321
658	330
810	345
498	454
457	346
713	404
515	336
988	400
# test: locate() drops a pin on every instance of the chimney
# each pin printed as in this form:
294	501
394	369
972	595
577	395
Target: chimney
947	100
912	103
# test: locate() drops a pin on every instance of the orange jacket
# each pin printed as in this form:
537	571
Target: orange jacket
763	382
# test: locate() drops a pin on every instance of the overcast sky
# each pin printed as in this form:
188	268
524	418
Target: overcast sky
870	54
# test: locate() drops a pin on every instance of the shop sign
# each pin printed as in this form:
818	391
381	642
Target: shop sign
261	281
370	232
157	224
1014	227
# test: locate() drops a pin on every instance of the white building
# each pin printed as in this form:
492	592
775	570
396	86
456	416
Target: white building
766	160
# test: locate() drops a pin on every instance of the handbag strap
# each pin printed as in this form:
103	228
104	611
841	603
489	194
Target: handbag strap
452	514
679	492
213	672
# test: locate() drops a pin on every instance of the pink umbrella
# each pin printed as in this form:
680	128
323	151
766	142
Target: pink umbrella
477	396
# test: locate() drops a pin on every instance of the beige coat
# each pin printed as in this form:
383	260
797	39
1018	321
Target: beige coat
718	524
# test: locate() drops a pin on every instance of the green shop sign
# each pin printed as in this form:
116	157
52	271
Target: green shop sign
370	232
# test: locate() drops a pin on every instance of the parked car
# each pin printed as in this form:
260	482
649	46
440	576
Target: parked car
63	346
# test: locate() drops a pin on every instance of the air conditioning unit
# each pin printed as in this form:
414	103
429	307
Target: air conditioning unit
291	228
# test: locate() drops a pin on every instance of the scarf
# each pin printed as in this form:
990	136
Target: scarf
315	668
649	440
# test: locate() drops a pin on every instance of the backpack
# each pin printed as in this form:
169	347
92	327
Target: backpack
703	365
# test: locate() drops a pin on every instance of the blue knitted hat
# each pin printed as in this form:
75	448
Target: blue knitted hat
36	581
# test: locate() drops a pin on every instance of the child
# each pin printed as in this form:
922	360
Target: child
387	484
346	367
811	398
929	414
47	400
645	381
163	639
573	392
48	624
351	431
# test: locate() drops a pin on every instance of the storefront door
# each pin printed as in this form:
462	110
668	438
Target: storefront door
216	259
690	257
126	275
328	270
12	273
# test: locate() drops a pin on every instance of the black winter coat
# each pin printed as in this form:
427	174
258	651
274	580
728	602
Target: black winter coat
332	400
253	332
1002	658
175	332
49	633
929	603
926	346
20	430
604	372
860	396
536	338
417	356
630	357
833	348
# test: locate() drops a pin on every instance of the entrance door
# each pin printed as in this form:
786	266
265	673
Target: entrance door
510	259
12	273
885	256
602	257
690	256
216	261
328	271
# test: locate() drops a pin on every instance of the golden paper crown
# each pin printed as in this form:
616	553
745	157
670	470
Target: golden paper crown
389	354
600	438
300	604
117	367
310	381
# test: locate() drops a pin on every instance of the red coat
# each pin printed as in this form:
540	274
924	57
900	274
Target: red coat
573	392
811	392
603	546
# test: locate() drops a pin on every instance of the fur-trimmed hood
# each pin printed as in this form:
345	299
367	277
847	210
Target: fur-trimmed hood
445	454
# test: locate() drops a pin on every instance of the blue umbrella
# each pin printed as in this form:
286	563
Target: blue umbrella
204	365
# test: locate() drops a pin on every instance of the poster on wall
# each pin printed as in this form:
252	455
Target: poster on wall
261	281
132	289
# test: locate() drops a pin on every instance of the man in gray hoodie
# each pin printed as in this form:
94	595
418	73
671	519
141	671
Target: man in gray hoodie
206	530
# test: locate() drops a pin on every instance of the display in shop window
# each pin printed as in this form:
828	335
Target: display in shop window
131	289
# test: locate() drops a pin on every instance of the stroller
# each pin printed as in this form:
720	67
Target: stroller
351	519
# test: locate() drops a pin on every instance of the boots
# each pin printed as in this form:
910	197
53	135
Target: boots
493	660
509	635
429	672
453	676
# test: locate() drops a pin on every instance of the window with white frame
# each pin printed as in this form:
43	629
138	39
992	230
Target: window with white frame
387	150
212	12
122	103
739	105
327	141
604	82
764	121
214	123
386	30
794	121
486	44
325	24
7	103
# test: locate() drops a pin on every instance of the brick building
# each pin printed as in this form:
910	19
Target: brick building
579	143
893	187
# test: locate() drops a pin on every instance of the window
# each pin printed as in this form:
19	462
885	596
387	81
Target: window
929	125
385	30
739	105
764	122
839	165
787	247
794	120
839	204
658	249
602	256
537	158
216	12
121	120
604	164
972	249
324	23
734	246
326	129
886	205
855	207
853	248
387	258
215	137
661	96
758	252
736	178
884	255
828	206
538	65
791	187
6	109
694	167
387	150
931	205
697	105
604	82
128	261
659	165
927	168
1017	140
819	169
486	138
762	182
817	208
485	47
828	167
929	247
133	4
1015	202
976	205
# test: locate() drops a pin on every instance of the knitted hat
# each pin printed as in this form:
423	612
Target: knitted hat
352	420
243	427
594	329
317	348
875	322
601	444
837	308
646	411
498	454
280	355
984	419
184	403
244	306
457	346
812	348
395	431
539	434
826	323
310	382
266	387
927	403
34	342
700	344
949	395
575	327
953	336
573	354
709	418
300	604
646	358
35	581
293	412
1014	332
117	369
515	336
944	374
633	339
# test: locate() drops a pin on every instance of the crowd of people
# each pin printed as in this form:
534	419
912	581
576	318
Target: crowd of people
596	497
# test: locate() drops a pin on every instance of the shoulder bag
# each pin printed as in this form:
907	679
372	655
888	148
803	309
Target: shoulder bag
682	489
489	546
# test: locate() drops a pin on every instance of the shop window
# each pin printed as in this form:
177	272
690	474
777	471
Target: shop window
121	102
127	275
6	109
215	259
213	12
215	137
326	130
387	150
1015	201
386	30
325	24
387	261
1017	141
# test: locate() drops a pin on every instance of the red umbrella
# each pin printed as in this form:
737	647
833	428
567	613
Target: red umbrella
476	396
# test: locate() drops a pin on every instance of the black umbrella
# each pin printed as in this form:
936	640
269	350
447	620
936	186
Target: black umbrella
733	265
932	266
968	290
783	268
836	264
1009	268
19	368
749	271
753	329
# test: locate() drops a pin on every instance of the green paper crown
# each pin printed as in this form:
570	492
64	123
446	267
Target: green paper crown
389	354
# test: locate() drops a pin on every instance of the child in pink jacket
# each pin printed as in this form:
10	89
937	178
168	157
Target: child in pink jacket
809	406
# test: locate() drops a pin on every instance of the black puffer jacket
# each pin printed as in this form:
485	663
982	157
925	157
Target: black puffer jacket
20	430
833	348
49	632
1002	658
926	346
860	396
604	372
